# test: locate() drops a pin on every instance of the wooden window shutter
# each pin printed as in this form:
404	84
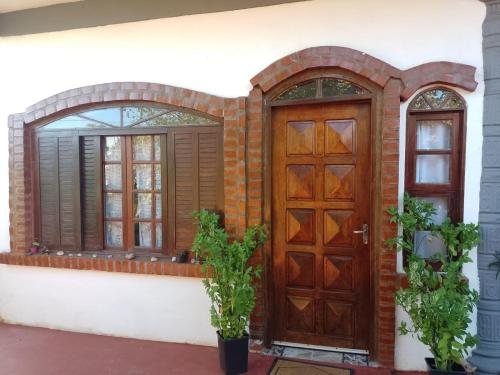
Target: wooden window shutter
59	185
197	162
91	176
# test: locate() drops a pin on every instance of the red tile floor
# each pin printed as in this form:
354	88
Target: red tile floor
40	351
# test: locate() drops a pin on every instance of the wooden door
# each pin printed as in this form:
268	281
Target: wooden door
320	197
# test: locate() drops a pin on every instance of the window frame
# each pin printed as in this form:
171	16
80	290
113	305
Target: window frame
126	133
454	190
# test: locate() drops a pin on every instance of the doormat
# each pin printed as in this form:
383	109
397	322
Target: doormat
285	367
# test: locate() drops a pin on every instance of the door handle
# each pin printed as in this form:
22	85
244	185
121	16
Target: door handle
364	232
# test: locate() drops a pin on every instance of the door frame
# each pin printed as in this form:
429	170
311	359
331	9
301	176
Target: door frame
375	99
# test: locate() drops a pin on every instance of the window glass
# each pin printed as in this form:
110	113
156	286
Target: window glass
441	206
113	205
433	135
142	205
127	116
74	122
428	244
114	233
113	151
142	234
340	87
113	177
108	116
305	90
433	169
141	147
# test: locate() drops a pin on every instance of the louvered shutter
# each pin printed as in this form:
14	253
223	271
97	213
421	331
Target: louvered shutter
210	176
49	191
198	179
91	182
185	204
59	189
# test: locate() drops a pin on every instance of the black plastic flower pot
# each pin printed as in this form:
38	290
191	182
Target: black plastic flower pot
455	370
233	355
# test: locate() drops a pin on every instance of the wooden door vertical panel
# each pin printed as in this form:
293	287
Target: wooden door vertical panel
91	188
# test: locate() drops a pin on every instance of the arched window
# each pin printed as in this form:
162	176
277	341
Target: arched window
435	148
126	177
321	88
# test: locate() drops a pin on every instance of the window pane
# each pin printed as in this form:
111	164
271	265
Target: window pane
113	177
157	148
441	206
176	118
142	234
74	122
157	177
301	91
141	147
158	235
433	135
427	244
142	176
113	149
114	233
340	87
142	205
109	116
433	169
158	206
131	115
113	205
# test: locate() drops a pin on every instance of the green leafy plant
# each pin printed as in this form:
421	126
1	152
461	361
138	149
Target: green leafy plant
438	301
229	280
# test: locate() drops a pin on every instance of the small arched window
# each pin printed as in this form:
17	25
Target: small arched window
126	177
435	149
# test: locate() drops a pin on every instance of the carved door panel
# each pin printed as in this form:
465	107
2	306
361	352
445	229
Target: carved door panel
321	195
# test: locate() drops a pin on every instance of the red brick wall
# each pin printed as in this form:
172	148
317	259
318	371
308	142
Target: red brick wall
243	161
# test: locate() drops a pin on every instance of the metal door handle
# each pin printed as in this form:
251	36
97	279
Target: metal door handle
364	232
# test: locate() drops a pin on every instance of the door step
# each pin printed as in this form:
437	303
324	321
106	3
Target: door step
313	353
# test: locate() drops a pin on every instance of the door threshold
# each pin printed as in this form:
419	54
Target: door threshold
321	347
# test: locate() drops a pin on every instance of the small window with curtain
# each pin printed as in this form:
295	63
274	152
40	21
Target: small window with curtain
435	150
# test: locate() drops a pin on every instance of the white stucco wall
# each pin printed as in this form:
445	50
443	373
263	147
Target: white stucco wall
216	53
139	306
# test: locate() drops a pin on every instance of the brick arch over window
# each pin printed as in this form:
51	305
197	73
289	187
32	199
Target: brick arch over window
394	86
232	111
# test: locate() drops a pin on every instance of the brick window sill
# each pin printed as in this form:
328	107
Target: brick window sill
163	267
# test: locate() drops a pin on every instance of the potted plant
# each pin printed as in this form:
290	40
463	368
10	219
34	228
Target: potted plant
229	283
34	248
438	300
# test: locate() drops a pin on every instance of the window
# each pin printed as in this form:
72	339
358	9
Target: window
435	156
321	88
126	178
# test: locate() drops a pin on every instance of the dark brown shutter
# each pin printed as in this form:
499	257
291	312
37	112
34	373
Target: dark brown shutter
210	169
59	185
185	178
91	173
198	179
49	191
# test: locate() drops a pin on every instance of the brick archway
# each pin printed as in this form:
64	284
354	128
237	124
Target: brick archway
394	86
